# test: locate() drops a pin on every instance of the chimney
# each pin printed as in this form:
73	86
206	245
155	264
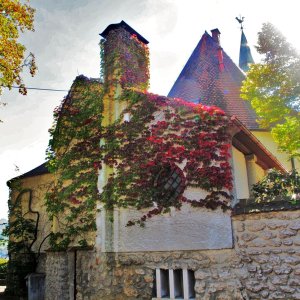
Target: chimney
125	57
216	35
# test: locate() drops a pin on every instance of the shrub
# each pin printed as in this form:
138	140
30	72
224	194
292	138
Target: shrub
3	265
275	185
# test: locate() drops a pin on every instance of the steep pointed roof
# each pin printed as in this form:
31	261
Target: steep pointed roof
245	54
210	77
40	170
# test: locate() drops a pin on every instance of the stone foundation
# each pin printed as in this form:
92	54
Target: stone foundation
132	275
269	246
60	276
264	264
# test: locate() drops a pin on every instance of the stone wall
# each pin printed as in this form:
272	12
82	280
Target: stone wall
215	272
269	246
59	276
264	264
129	276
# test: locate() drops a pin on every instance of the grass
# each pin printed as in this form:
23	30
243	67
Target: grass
3	265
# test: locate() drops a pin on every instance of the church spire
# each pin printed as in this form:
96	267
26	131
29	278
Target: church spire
245	52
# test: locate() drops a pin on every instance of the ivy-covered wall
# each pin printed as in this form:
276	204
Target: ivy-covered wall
28	230
73	157
110	129
124	61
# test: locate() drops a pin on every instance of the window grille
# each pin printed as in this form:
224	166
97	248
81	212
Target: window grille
174	284
169	183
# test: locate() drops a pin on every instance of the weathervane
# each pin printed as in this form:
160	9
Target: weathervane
240	20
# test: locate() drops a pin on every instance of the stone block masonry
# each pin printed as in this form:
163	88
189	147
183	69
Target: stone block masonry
128	276
269	246
59	276
263	264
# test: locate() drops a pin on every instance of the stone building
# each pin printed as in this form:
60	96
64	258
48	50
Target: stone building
201	238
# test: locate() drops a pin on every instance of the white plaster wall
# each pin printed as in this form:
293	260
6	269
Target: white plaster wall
259	173
187	229
240	174
266	139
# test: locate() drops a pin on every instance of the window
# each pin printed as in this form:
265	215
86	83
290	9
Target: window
169	183
174	284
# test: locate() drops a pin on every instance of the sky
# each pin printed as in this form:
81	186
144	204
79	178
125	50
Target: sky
65	43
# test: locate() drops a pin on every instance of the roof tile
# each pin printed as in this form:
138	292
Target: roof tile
202	81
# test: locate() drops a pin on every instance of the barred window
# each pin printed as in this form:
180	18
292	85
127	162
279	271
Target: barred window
169	183
174	284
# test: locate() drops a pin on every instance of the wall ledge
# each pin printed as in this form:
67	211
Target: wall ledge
249	206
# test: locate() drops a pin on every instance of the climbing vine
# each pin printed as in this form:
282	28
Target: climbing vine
152	137
22	228
73	156
22	231
164	132
124	61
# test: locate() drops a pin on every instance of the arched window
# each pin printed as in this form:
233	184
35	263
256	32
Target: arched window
169	183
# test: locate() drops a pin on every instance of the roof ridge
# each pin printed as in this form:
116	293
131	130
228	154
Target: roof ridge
39	170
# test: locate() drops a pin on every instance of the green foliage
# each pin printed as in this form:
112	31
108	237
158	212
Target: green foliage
3	265
22	228
3	239
276	185
273	88
138	150
73	154
124	61
133	152
3	261
22	232
15	18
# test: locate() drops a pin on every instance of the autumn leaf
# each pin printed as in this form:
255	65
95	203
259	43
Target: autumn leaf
15	18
